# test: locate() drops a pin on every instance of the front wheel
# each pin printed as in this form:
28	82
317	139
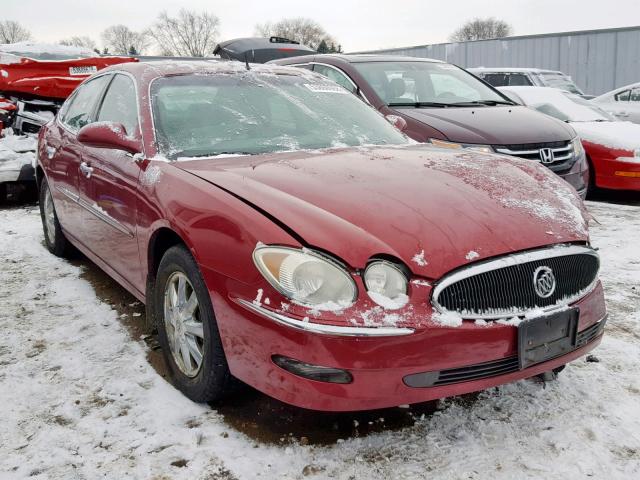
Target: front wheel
53	236
187	328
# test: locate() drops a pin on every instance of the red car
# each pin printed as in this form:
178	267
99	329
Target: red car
282	232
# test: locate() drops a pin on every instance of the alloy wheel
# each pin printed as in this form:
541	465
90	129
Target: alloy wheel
185	331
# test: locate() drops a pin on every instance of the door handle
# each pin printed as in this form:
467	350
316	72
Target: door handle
86	169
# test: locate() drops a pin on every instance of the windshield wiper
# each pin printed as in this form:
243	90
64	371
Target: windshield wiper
421	104
201	154
489	103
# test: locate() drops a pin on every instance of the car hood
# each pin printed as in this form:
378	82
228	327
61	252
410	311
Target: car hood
500	125
435	209
614	135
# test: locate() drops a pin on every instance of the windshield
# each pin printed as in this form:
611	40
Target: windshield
559	80
252	113
427	83
563	105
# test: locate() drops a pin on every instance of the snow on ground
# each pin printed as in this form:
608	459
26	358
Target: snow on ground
80	400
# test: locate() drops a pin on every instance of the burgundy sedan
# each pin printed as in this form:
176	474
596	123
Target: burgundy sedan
282	232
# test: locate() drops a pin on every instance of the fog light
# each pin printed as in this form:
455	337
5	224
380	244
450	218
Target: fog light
312	372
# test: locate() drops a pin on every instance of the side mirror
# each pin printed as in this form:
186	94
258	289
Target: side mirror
108	135
397	121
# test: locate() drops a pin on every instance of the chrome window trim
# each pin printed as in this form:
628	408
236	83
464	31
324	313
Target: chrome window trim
321	329
513	260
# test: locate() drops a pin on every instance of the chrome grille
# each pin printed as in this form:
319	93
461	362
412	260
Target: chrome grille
556	155
506	286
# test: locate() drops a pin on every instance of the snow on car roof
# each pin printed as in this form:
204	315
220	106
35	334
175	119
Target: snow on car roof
42	51
208	66
512	69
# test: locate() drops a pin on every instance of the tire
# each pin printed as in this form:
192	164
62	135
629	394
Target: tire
591	184
53	236
180	325
3	193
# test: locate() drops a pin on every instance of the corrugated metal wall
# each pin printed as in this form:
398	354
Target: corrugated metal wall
597	60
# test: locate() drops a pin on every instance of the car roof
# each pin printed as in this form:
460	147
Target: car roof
164	68
512	69
361	58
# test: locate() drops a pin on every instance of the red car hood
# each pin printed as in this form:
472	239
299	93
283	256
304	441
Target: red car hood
434	209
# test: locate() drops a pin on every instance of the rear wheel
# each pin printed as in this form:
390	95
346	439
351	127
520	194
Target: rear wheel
187	328
53	236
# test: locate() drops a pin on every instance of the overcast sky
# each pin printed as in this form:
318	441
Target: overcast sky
358	25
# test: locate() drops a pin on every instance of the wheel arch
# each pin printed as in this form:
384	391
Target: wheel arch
161	240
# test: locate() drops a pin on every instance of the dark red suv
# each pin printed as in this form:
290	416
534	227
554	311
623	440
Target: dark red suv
448	106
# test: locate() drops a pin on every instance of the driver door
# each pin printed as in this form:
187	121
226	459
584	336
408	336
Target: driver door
111	188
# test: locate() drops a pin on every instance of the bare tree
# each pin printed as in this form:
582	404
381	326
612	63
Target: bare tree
303	30
12	32
121	40
84	42
482	29
191	33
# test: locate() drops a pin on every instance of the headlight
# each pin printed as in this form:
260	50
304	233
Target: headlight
468	146
306	277
576	147
386	285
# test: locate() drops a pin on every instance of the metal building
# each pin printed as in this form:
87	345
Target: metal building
597	60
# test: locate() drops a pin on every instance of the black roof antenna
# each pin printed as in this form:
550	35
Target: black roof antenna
246	60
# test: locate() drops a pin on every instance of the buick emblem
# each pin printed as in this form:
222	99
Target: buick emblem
544	282
546	155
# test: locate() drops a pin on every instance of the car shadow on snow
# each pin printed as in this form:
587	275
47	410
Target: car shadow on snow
14	196
260	417
618	197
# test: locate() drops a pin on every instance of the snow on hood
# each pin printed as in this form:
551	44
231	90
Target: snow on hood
13	51
436	205
615	135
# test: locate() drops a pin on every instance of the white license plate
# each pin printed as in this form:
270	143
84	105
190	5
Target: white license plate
89	70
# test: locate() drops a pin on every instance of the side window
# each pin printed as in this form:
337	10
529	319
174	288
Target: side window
120	104
80	109
623	96
338	77
519	80
496	79
635	95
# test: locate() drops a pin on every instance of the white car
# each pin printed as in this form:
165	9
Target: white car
526	77
623	102
612	146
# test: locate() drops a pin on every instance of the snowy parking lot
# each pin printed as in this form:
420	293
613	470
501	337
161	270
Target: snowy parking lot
84	397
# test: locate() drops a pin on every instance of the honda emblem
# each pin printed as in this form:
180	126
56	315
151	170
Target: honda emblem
546	155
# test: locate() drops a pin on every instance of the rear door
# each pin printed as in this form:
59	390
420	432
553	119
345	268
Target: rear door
111	188
64	154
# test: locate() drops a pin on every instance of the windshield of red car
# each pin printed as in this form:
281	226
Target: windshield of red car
428	83
253	113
